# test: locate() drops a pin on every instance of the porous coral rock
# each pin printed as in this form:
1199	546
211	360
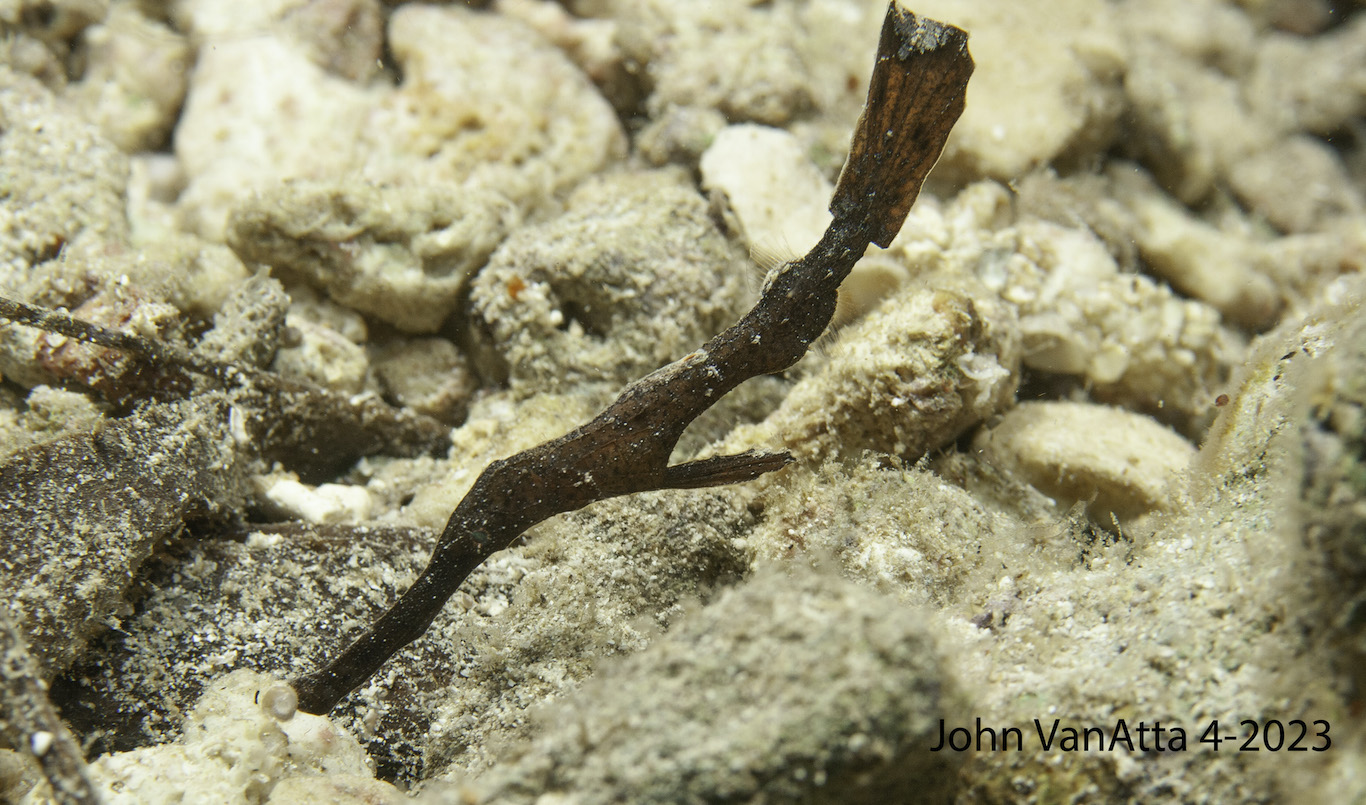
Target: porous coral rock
908	378
344	37
486	101
248	328
236	749
258	112
399	253
632	276
54	22
1132	340
61	181
135	78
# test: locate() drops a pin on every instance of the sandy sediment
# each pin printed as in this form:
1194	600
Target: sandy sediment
1083	453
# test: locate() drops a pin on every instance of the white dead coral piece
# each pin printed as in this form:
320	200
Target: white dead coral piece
1131	339
766	179
906	379
1121	462
258	112
1047	84
240	742
327	503
486	100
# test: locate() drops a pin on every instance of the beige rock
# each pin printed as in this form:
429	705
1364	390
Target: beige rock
135	78
400	254
428	375
1190	120
486	100
1298	184
1311	84
710	711
1209	32
1119	462
903	531
236	750
1046	88
1199	260
258	112
906	379
51	413
1213	112
737	58
632	276
321	355
61	181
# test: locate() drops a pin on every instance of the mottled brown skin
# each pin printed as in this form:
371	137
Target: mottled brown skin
915	96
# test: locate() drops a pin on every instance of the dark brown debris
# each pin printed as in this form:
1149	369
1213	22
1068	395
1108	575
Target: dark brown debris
314	431
81	513
30	725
